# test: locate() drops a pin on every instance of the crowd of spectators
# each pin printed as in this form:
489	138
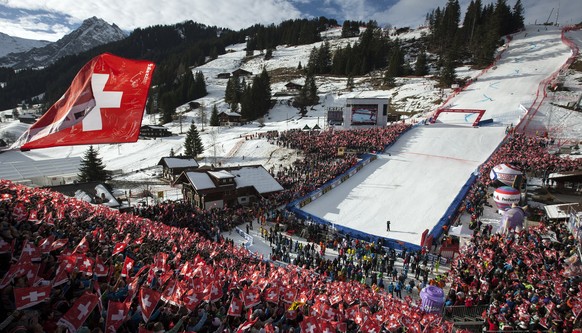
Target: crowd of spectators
528	279
201	284
175	257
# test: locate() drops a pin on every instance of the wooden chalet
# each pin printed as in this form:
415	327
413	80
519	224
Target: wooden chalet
217	188
27	118
229	118
241	73
154	131
172	167
223	76
293	87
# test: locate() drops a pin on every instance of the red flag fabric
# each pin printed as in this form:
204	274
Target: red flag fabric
45	244
27	297
79	312
310	325
271	294
119	248
100	269
148	299
246	325
61	275
127	266
191	300
82	247
29	253
5	247
251	297
116	313
104	104
235	308
58	244
214	291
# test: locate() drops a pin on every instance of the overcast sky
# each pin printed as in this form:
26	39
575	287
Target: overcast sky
52	19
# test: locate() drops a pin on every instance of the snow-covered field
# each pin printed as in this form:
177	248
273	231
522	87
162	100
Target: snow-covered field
414	185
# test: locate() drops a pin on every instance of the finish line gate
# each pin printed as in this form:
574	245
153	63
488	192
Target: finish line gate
475	123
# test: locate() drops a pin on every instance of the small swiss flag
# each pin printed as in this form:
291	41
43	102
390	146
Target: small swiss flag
27	297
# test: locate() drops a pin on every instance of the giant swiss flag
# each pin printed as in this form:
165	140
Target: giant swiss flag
104	104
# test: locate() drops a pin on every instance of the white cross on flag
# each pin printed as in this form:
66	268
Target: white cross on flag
119	248
104	104
29	253
27	297
251	297
370	326
148	299
191	300
271	294
309	325
127	266
86	265
215	291
116	313
58	244
246	325
83	246
45	244
79	312
235	308
100	268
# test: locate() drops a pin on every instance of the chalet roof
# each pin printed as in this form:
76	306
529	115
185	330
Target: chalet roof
154	127
562	211
200	180
565	174
221	174
176	162
20	170
247	176
230	114
257	177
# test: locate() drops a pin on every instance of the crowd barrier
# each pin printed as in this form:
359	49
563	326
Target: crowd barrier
542	93
249	240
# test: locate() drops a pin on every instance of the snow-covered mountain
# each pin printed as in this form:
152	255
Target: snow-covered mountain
93	32
11	44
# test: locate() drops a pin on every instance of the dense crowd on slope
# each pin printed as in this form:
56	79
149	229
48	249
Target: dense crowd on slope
525	277
179	263
202	281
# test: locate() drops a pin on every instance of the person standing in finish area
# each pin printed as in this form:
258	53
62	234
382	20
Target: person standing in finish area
388	225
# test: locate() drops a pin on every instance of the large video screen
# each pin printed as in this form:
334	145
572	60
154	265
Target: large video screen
364	114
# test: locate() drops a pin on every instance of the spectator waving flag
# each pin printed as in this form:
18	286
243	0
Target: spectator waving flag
104	104
79	312
27	297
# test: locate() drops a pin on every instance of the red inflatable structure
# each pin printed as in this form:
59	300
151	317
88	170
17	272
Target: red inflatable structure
475	123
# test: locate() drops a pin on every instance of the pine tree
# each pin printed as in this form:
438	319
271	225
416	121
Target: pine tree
92	168
193	144
518	16
214	117
447	74
172	153
420	68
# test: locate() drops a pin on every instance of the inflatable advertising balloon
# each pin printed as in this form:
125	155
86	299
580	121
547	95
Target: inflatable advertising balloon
512	219
505	174
505	196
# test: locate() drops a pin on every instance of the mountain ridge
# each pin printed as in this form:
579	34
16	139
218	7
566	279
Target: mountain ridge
93	32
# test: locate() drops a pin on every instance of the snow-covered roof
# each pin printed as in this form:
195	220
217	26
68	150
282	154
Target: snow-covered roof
230	114
200	180
221	174
155	126
20	170
257	177
562	211
175	162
